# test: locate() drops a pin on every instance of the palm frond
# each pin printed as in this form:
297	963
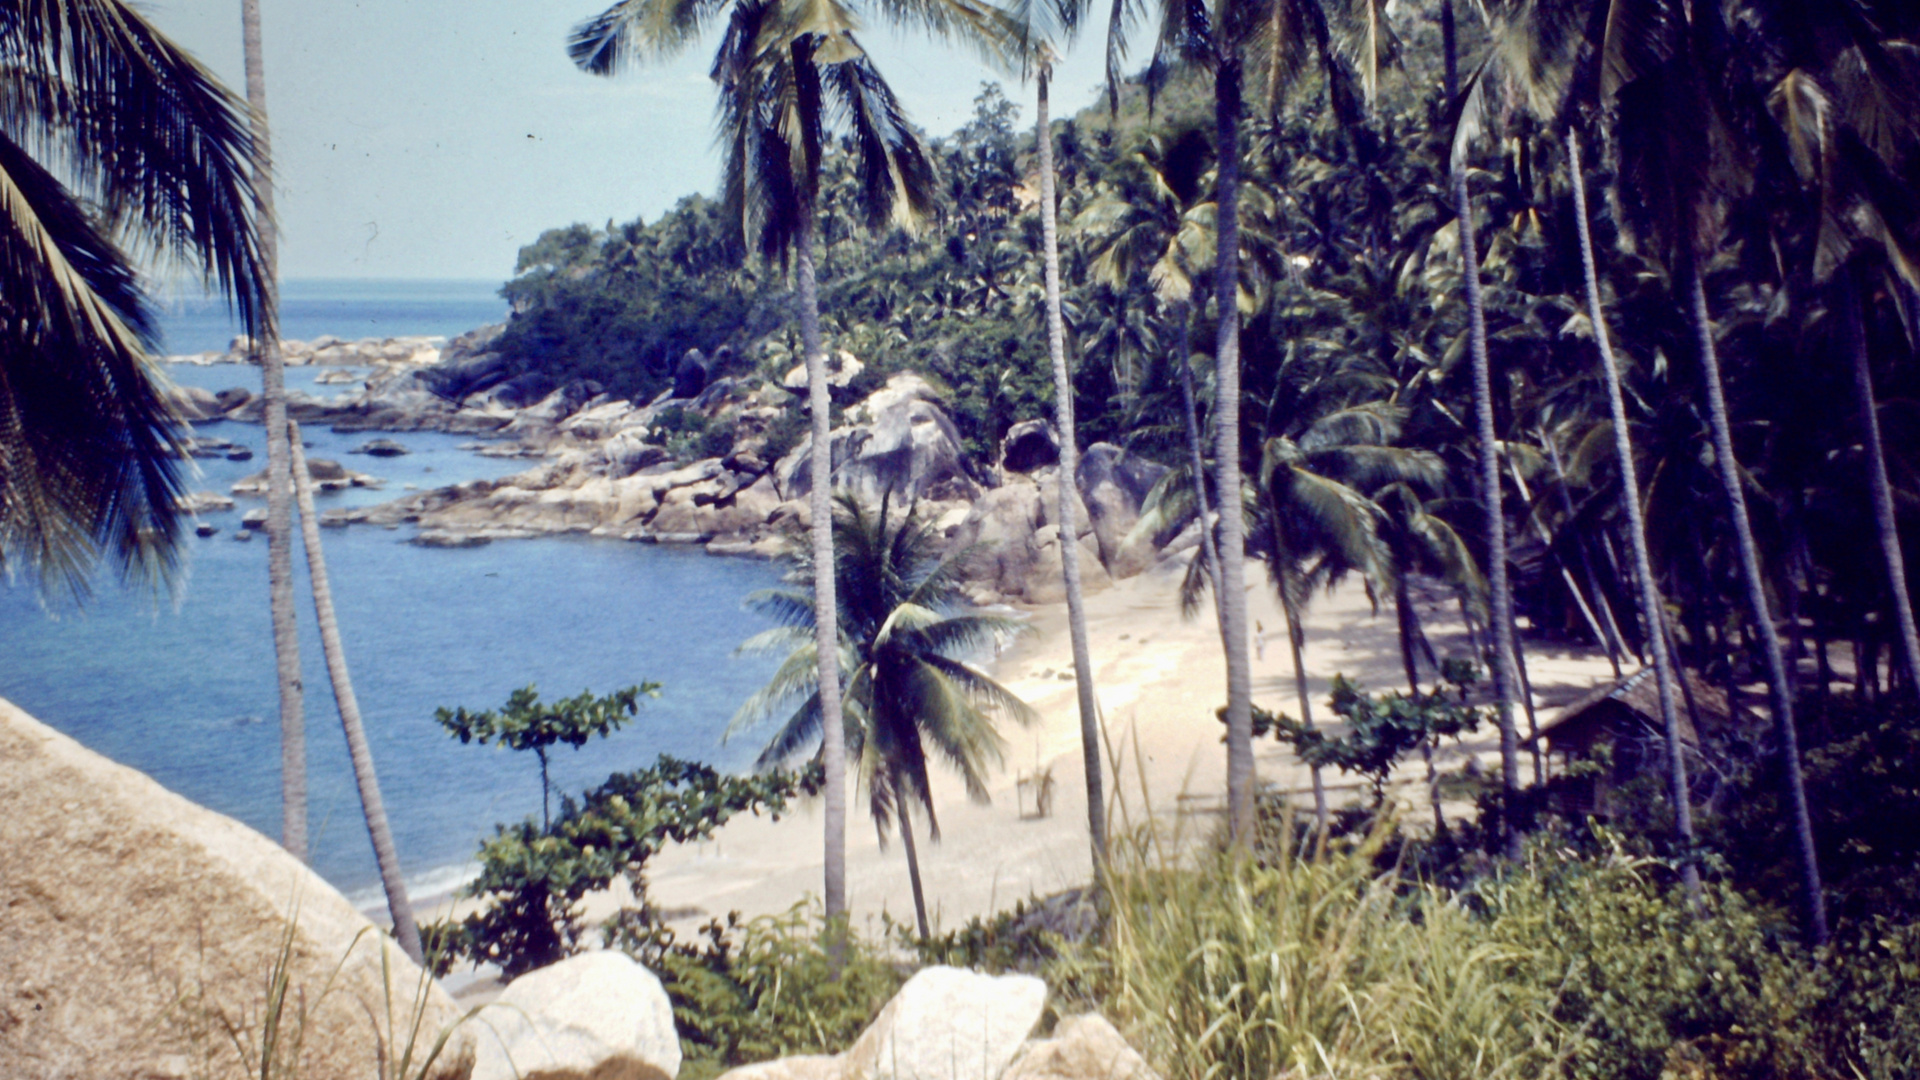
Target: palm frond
636	31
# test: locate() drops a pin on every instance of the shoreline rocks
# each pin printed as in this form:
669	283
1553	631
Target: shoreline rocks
607	467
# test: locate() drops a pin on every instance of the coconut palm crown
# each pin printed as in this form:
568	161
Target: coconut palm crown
909	693
902	636
115	145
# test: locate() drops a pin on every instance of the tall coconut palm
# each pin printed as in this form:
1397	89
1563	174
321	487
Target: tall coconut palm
1317	525
785	70
1493	517
386	857
904	638
112	135
1420	542
1040	27
1678	156
1218	36
1165	226
273	383
1537	56
1847	113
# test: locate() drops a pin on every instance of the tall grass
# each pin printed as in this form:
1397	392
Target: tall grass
1312	964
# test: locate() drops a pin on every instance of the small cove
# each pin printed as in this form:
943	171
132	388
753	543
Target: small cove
182	687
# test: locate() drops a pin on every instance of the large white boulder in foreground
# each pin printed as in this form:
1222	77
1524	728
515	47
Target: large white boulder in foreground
136	927
596	1016
948	1024
1082	1048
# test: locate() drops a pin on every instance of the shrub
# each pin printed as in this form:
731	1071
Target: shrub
532	877
770	987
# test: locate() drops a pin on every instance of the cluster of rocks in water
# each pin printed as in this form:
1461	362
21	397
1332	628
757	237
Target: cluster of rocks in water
605	467
147	948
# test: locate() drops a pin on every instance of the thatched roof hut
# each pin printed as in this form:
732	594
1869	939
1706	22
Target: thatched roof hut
1619	724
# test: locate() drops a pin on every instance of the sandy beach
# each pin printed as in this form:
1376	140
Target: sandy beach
1159	679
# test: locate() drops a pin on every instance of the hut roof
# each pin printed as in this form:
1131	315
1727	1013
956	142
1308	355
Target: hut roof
1637	696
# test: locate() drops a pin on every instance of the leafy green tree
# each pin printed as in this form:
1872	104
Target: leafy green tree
115	141
527	723
533	877
1377	732
903	636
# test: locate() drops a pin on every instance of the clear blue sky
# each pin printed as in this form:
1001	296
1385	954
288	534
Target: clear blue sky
429	138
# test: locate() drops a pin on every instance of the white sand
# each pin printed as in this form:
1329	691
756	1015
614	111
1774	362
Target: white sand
1159	679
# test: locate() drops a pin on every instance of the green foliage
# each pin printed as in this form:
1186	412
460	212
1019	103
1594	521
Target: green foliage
532	877
1648	985
526	723
1034	937
1380	731
1862	766
755	990
623	304
1312	967
1579	962
692	436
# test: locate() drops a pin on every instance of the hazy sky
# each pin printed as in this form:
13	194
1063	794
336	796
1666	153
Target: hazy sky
429	138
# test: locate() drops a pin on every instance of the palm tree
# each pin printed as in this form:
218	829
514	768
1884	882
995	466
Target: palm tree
1420	542
1652	610
273	383
385	856
120	118
1163	224
1317	525
1674	138
1038	26
908	687
784	69
1537	56
1216	35
1493	518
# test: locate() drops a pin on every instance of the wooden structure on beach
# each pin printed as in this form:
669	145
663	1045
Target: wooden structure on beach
1617	733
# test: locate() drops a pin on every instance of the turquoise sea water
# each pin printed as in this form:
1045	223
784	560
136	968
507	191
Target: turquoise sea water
183	687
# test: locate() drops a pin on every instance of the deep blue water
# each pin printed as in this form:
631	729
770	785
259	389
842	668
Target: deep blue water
183	689
347	309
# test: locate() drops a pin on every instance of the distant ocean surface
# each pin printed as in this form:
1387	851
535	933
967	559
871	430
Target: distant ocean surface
183	688
347	309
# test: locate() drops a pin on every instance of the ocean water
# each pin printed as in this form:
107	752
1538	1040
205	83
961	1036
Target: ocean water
347	309
182	686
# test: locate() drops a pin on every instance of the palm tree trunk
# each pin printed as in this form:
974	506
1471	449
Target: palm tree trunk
902	797
1883	514
826	610
273	388
384	854
1232	595
1566	572
1525	686
1297	640
1652	612
1500	613
1067	484
1780	691
1296	643
1197	461
1409	633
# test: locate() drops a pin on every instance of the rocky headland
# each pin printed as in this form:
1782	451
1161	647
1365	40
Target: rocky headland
711	461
